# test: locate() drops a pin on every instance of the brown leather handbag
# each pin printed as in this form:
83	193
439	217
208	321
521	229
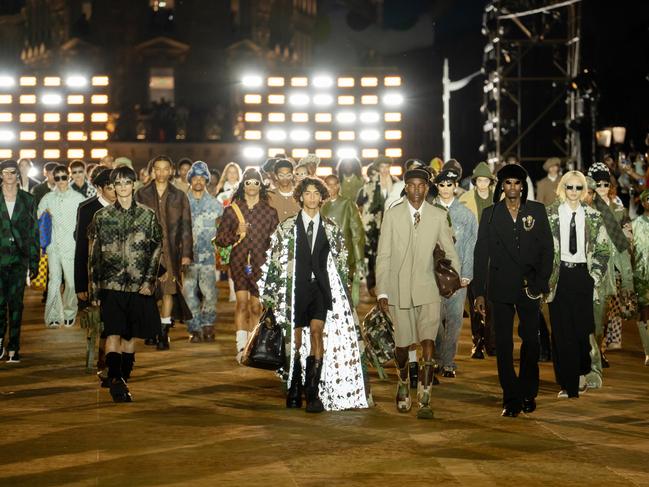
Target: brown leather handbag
448	280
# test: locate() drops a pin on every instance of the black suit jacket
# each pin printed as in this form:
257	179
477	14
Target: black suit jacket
508	254
307	263
85	213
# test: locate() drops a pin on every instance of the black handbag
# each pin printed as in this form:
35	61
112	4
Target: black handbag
265	348
448	280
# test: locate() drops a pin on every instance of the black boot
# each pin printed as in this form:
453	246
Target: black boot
163	339
413	373
118	389
478	349
313	372
294	395
128	359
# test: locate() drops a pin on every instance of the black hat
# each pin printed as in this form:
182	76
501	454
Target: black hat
417	173
101	178
410	163
251	173
8	164
511	171
269	165
447	175
599	172
280	163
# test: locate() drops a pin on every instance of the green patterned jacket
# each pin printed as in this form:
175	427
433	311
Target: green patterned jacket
20	232
598	249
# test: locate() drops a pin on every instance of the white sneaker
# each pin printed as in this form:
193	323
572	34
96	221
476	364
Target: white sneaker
2	348
646	360
232	298
239	357
68	323
582	384
54	324
614	346
563	394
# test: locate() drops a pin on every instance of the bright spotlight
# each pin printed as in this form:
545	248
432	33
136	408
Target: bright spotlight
252	81
33	171
7	82
51	99
322	81
76	81
7	136
393	99
276	135
346	152
323	99
300	135
370	117
370	135
346	117
253	152
299	99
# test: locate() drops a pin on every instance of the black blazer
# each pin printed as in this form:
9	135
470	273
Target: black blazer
307	263
85	213
507	254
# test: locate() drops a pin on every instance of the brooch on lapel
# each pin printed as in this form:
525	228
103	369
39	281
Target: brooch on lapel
528	223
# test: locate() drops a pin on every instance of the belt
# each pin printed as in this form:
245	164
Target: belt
573	265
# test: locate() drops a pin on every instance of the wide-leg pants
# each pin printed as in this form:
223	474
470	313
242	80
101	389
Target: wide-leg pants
199	288
59	307
12	289
452	310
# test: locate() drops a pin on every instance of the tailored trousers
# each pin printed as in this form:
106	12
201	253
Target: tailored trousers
483	331
525	385
199	288
572	318
59	307
13	278
452	310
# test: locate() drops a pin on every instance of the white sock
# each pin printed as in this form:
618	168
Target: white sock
166	321
242	339
412	355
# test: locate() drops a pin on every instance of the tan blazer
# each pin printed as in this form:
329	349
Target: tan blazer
404	262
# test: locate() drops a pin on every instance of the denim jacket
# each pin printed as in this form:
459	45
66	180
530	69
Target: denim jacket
465	230
205	211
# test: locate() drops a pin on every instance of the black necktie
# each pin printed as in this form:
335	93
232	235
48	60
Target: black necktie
572	246
309	236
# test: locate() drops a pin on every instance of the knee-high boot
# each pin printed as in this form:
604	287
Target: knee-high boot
294	395
313	372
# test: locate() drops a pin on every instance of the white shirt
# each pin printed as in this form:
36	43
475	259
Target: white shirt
565	216
103	202
444	204
10	207
316	221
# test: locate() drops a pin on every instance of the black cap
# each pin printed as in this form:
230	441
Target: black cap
417	173
8	164
447	175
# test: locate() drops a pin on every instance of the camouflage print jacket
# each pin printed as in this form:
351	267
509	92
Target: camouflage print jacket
598	250
125	249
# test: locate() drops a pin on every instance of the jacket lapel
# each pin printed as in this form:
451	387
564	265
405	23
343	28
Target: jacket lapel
504	223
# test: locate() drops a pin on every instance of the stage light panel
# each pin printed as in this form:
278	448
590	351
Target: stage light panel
323	135
393	99
51	117
300	81
51	99
323	117
27	135
51	135
7	135
6	153
323	99
276	99
324	171
346	152
27	118
276	135
252	135
370	117
98	99
252	81
76	81
5	99
392	117
6	117
98	153
370	135
253	152
76	117
299	99
275	81
345	100
99	117
27	99
369	81
370	100
51	154
27	154
252	117
274	151
392	81
299	153
324	153
299	135
52	81
346	135
252	99
370	153
345	82
27	81
323	81
395	170
393	152
392	134
300	117
276	117
100	81
346	117
99	135
75	153
77	136
7	81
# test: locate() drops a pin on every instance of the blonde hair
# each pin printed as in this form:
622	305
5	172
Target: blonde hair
224	174
561	188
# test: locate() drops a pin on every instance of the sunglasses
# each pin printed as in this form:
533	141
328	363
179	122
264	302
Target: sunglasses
284	176
77	172
124	182
513	182
60	178
445	185
572	187
251	182
603	185
9	171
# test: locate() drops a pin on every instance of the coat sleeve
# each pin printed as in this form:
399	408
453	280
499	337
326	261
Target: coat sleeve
358	234
33	243
81	253
468	244
546	253
187	237
383	257
481	254
94	259
155	251
227	233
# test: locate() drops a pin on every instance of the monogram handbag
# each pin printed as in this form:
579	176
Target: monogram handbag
40	283
448	280
265	348
45	229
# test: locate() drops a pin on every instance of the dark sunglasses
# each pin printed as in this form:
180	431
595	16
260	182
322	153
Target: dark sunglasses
9	171
60	178
123	182
445	185
513	182
251	182
603	185
572	187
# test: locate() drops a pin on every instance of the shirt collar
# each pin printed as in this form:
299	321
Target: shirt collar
306	219
413	210
103	202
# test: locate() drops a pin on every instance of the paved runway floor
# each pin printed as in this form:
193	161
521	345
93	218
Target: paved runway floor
199	419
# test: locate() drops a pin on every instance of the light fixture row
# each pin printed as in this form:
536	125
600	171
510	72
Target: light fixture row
320	81
343	117
302	135
322	99
71	117
257	153
53	154
52	135
52	99
72	81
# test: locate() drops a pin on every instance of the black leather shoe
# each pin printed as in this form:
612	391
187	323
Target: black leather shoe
509	412
413	373
150	342
545	356
119	391
605	364
294	394
529	405
477	354
448	373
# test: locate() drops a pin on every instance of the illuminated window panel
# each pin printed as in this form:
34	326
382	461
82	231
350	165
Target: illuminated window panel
276	117
370	117
273	151
300	135
253	152
51	117
276	99
51	154
299	81
77	136
392	81
323	135
52	81
369	100
252	117
27	117
98	153
323	99
345	152
75	100
393	117
7	136
27	99
6	153
275	81
323	117
345	82
76	117
346	135
393	152
27	154
324	171
276	135
370	153
323	81
101	99
99	117
6	117
324	153
299	153
27	135
252	99
98	135
396	170
299	99
392	134
7	81
27	81
252	135
75	153
51	99
369	81
345	100
393	99
5	99
346	117
100	81
252	81
370	135
51	135
300	117
76	81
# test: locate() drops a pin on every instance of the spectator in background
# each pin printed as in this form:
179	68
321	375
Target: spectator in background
25	181
546	188
311	162
350	175
79	182
47	185
182	168
215	175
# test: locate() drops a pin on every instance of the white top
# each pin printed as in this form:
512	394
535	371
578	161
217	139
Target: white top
565	216
103	202
63	209
444	204
395	194
10	207
306	219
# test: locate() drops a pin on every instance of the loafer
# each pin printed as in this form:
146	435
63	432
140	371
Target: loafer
448	373
529	405
477	354
510	412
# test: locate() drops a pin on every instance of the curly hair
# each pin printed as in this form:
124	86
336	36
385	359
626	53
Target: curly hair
240	193
309	181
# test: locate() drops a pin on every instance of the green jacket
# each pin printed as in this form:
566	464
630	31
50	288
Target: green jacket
598	249
20	233
125	249
345	214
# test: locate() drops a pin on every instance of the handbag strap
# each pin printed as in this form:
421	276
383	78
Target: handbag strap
237	211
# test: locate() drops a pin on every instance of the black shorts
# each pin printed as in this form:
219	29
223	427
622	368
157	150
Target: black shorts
312	307
129	315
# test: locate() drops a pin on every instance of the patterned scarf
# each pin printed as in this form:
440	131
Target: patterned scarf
613	228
